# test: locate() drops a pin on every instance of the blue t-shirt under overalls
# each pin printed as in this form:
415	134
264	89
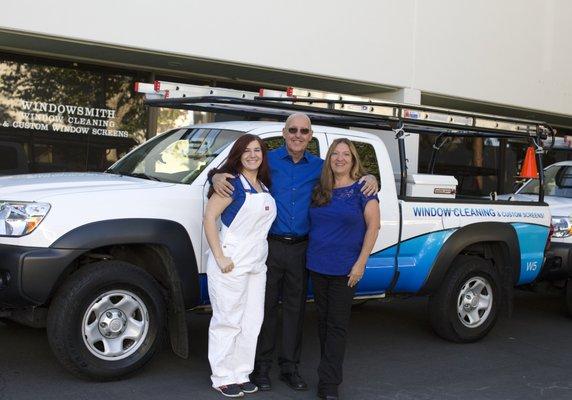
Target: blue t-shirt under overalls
238	196
337	230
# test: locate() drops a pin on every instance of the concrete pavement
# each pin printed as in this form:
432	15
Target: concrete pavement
392	354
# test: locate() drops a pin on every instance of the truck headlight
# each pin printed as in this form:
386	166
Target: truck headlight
562	227
19	218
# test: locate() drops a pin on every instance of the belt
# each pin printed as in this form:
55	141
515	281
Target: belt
288	239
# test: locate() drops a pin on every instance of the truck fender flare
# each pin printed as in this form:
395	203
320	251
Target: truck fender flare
182	271
466	236
169	234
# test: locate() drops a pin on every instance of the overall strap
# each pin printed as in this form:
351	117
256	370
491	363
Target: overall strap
246	185
264	188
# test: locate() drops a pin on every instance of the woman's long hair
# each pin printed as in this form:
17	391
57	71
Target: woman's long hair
322	193
233	165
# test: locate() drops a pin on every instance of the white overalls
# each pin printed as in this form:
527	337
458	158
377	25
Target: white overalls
237	297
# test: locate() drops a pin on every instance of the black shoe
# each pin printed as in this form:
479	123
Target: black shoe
230	390
262	380
294	380
248	387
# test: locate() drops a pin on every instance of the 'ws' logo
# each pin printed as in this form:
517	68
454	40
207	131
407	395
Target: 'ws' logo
531	265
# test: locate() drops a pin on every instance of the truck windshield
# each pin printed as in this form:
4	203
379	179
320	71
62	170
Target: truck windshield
557	182
177	156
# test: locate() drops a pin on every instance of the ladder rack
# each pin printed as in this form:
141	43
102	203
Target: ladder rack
340	110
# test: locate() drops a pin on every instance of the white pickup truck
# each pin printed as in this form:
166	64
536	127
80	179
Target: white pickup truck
109	260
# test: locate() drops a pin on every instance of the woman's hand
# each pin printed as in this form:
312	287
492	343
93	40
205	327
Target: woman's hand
355	274
370	186
221	185
225	264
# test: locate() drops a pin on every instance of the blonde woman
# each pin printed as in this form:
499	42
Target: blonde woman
344	224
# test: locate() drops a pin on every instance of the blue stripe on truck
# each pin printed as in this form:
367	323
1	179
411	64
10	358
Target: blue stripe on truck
532	240
416	256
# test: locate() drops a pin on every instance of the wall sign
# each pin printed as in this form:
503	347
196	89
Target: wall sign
65	118
70	101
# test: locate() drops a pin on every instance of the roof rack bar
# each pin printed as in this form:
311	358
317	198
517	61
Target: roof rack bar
418	112
340	110
263	108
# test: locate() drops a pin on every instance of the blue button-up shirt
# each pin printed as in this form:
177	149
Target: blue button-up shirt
292	185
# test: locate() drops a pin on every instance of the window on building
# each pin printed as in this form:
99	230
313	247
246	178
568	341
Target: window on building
8	157
73	117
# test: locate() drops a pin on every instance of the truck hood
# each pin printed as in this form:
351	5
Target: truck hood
559	206
34	187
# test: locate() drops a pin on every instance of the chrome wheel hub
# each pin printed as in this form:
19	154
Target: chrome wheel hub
474	302
115	325
112	323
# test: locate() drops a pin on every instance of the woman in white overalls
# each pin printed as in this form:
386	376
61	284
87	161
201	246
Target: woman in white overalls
236	267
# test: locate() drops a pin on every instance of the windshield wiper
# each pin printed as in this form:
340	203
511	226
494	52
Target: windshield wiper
142	175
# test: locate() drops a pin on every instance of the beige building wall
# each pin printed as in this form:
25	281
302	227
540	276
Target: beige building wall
516	53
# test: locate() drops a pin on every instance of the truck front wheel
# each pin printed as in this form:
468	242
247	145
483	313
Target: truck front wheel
106	320
465	307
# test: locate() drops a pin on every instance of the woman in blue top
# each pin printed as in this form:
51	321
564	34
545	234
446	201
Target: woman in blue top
344	224
236	266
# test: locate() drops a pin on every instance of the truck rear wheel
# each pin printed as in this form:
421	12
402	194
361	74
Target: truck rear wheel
465	308
106	320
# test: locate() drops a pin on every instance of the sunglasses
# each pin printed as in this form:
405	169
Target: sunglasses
293	130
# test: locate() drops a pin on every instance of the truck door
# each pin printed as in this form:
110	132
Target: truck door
380	266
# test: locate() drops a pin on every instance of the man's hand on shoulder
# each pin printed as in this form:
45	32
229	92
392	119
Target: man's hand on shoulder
221	185
370	186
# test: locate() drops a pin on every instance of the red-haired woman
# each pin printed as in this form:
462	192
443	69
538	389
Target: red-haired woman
236	267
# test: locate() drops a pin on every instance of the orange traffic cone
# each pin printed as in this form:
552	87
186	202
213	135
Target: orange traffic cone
529	169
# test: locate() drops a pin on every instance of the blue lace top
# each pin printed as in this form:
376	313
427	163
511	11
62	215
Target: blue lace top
337	230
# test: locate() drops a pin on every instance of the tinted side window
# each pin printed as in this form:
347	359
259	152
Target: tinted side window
368	158
277	141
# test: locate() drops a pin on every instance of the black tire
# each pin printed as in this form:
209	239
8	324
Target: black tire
106	288
468	274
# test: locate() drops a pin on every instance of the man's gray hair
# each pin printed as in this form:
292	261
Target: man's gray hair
297	115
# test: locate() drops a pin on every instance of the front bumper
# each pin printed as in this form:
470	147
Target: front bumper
29	274
558	264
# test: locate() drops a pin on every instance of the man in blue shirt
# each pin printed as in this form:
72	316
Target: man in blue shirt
294	173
